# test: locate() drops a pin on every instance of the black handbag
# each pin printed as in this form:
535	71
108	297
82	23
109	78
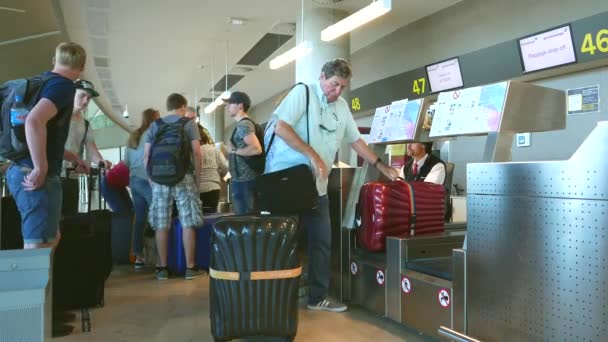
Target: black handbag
289	191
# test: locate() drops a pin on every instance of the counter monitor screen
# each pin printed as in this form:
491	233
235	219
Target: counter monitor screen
444	75
547	49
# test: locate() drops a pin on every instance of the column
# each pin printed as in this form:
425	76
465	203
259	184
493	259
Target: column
214	122
316	20
308	68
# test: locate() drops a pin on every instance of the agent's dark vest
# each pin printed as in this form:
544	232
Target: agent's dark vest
431	161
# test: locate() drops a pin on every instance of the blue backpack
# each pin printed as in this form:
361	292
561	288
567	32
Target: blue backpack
13	145
170	153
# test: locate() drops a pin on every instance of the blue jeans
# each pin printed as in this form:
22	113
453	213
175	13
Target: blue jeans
318	234
142	197
40	209
243	197
117	199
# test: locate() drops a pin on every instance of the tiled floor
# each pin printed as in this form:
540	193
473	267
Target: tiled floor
139	308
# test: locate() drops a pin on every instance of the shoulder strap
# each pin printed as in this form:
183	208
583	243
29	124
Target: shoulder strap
160	128
183	121
43	79
249	119
307	119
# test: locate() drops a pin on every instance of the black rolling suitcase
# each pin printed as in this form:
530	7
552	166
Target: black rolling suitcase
10	221
254	277
83	258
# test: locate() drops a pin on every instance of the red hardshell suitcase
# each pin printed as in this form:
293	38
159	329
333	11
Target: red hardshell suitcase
398	208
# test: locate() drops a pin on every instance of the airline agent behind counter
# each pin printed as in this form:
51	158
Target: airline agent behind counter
423	166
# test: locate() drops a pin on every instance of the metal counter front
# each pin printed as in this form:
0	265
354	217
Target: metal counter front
537	257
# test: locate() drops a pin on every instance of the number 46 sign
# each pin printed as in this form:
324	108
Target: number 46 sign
600	43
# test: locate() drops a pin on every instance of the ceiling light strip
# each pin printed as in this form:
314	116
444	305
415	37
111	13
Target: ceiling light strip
212	106
26	38
10	9
294	53
357	19
300	50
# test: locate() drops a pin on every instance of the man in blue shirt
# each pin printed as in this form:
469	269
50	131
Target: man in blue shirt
185	192
331	123
34	181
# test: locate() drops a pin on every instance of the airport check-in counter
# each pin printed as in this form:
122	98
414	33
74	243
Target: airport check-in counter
421	281
536	257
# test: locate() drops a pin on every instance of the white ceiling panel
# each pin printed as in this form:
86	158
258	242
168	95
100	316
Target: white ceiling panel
154	47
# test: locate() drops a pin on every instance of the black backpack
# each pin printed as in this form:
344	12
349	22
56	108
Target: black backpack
170	153
13	145
256	163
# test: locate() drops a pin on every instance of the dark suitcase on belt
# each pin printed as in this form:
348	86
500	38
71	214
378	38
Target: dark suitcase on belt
83	258
398	208
244	247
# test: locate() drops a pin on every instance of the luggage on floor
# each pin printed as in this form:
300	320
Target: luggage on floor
176	258
398	208
83	258
254	277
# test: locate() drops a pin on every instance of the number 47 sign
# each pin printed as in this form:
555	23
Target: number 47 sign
419	86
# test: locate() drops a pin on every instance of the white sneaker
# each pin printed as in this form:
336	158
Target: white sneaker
327	305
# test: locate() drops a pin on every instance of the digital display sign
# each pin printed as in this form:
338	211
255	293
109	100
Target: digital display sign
547	49
445	75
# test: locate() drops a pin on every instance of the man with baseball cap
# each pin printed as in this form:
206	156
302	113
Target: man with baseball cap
243	144
80	137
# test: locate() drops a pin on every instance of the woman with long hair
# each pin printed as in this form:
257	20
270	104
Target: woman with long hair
213	167
138	181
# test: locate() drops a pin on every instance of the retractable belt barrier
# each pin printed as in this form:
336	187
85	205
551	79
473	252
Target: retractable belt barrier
257	275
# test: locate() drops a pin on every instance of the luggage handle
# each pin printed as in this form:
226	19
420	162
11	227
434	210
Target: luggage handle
410	190
100	171
256	275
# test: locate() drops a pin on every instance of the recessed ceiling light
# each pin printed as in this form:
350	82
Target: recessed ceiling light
237	21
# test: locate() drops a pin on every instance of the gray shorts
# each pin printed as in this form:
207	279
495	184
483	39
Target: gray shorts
189	207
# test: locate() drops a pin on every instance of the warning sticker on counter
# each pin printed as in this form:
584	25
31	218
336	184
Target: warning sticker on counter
406	285
354	268
380	277
444	298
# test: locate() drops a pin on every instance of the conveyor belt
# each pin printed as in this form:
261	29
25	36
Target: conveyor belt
437	267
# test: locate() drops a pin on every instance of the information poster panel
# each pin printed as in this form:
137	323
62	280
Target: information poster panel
584	100
396	122
378	124
469	111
